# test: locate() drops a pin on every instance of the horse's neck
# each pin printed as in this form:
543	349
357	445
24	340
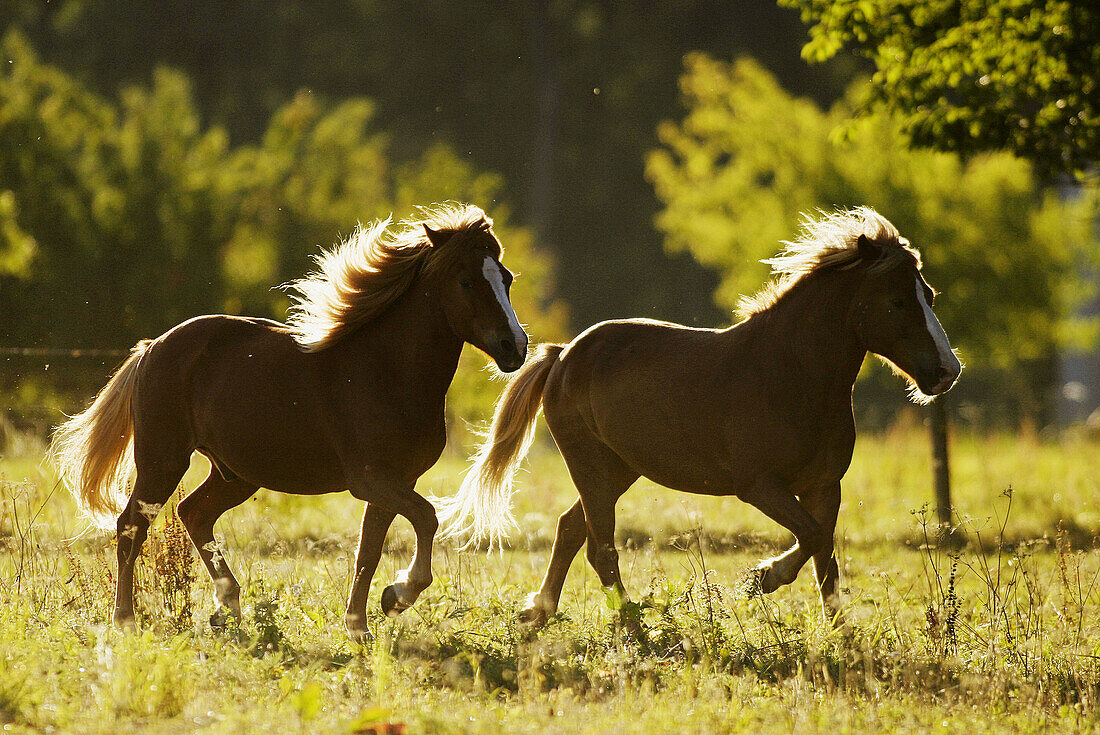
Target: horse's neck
811	325
416	339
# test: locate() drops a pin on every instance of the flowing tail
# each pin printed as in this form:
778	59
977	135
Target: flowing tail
483	505
93	451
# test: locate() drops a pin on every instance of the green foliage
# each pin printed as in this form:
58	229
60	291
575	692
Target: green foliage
561	98
110	216
747	159
972	75
120	220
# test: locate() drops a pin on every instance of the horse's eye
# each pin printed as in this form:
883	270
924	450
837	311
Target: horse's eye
466	283
897	302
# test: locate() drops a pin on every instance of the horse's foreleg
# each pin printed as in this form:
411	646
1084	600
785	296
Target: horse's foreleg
571	534
782	507
376	522
823	505
410	582
198	513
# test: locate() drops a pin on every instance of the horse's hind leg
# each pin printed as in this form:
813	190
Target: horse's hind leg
198	512
157	479
572	531
601	478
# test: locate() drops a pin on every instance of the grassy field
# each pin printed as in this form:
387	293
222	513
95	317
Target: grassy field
997	631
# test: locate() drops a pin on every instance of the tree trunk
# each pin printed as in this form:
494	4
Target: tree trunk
546	58
941	469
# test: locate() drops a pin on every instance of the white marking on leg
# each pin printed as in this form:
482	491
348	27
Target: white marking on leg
943	346
409	583
491	269
404	588
536	601
216	556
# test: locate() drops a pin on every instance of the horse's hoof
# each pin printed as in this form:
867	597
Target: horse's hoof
833	614
125	622
356	627
630	618
534	616
223	617
391	605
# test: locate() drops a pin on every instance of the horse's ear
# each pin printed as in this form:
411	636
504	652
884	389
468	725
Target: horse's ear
436	237
868	250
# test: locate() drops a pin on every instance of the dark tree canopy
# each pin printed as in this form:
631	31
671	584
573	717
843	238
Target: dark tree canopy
559	98
974	75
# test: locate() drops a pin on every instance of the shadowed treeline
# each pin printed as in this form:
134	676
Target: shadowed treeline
158	162
561	99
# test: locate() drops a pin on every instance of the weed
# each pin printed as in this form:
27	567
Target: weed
174	573
265	616
165	577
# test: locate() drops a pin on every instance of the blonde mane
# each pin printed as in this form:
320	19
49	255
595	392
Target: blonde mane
830	241
362	276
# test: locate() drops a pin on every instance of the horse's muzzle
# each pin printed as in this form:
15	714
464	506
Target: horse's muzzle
510	356
945	378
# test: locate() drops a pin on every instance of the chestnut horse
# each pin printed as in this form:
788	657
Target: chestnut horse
348	395
761	410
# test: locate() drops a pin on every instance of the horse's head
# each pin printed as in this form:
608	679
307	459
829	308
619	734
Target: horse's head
473	289
894	319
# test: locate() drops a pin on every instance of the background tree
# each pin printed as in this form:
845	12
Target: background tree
114	208
971	75
562	99
119	220
748	158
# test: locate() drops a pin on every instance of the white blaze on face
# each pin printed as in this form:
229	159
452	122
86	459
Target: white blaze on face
496	280
947	357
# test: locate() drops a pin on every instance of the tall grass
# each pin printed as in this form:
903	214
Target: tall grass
990	626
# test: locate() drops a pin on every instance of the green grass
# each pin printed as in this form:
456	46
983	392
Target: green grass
997	631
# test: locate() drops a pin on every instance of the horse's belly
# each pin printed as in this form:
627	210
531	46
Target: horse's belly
272	439
285	464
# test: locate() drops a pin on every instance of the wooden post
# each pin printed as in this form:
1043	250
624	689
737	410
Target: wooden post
941	468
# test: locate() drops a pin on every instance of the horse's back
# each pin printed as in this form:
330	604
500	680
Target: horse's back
211	347
635	386
634	355
694	409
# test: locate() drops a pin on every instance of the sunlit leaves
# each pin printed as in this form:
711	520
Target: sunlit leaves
121	218
972	75
747	159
